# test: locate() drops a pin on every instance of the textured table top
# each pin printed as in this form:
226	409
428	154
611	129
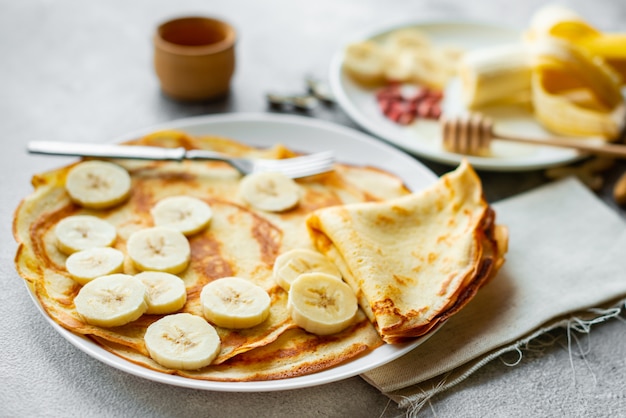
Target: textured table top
82	71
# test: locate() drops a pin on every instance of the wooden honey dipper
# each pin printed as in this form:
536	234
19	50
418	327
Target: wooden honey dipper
473	135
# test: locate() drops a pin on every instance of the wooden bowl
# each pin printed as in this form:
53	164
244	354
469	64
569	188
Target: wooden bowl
194	58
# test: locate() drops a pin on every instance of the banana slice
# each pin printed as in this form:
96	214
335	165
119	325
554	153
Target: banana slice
166	292
159	249
407	39
182	341
365	63
184	213
111	301
233	302
289	265
86	265
81	232
269	191
98	184
321	304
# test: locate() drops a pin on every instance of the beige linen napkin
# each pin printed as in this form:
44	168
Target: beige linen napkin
565	267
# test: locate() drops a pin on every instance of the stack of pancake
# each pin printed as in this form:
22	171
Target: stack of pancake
413	259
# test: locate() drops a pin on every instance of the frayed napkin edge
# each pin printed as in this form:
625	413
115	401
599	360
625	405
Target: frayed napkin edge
581	322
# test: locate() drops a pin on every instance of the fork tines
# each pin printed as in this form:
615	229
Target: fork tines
300	166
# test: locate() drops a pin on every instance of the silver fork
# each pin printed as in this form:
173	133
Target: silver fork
295	167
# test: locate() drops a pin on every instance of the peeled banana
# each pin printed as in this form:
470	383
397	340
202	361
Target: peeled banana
500	74
572	89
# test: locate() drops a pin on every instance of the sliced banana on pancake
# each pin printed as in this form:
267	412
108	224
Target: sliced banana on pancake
233	302
182	341
111	301
187	214
159	249
166	292
86	265
98	184
81	232
269	191
321	304
289	265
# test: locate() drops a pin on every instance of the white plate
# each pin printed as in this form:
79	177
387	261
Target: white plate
298	133
423	138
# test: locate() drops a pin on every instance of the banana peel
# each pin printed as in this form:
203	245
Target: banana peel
574	112
563	23
575	93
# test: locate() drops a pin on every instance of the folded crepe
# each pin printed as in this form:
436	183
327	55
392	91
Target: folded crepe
415	260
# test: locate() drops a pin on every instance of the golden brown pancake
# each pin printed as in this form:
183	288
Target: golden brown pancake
243	241
240	241
414	260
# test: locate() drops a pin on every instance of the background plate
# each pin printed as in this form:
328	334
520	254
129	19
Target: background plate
423	137
302	134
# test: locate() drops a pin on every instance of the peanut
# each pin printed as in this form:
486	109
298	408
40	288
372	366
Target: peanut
599	164
591	180
619	190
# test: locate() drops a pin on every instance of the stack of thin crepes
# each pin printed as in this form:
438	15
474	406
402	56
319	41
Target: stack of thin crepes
415	260
412	259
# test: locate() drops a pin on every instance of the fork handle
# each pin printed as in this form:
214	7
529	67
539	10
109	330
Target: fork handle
608	150
82	149
201	154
